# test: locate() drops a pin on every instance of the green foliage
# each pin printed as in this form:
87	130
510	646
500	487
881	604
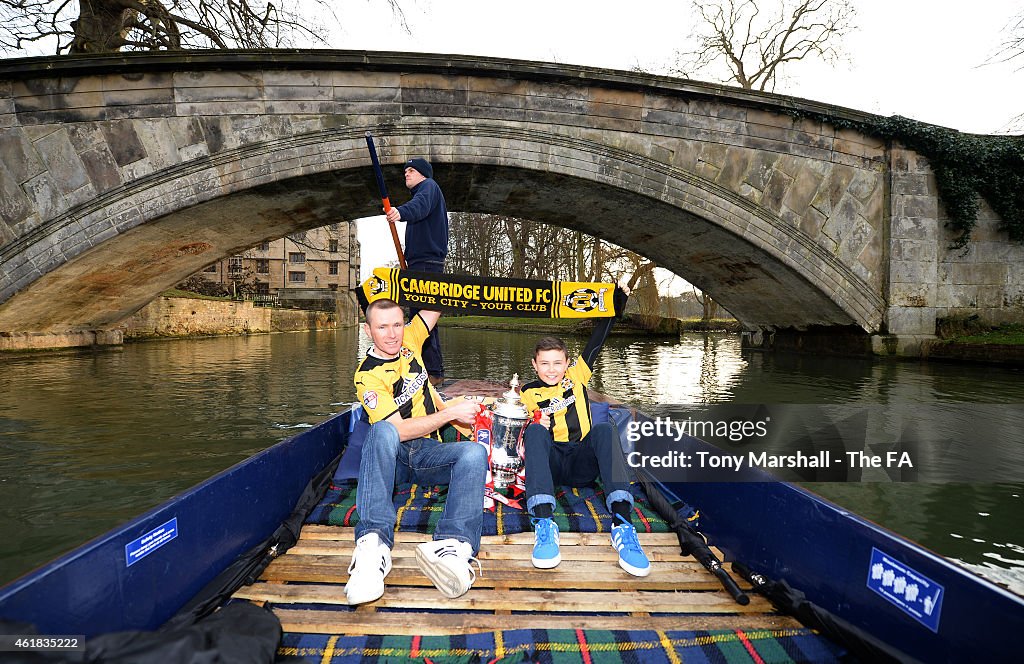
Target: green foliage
970	330
177	292
966	166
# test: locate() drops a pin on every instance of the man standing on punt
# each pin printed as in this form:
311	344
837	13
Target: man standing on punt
426	242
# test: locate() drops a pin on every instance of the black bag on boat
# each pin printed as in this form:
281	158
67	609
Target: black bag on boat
240	633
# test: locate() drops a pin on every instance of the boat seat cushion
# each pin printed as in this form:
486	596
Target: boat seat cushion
419	508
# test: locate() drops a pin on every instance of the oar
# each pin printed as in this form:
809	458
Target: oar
384	197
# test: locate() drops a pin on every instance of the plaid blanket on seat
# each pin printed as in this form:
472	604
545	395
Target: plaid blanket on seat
567	646
419	508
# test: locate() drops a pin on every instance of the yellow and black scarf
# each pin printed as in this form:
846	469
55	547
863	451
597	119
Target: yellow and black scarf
489	296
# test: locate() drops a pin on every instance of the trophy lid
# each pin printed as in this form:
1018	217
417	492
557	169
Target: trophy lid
509	405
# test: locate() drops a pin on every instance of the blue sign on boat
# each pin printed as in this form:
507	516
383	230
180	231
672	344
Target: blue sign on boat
138	549
914	593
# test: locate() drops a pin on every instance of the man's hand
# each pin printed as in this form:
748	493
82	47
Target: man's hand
393	215
463	411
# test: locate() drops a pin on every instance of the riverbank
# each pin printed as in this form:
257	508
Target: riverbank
631	325
966	343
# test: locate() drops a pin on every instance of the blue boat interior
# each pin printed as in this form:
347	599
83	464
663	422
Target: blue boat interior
238	539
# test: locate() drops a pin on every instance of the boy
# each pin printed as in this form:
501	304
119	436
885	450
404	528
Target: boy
565	446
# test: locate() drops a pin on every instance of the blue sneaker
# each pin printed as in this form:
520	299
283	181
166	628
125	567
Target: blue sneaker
545	547
631	556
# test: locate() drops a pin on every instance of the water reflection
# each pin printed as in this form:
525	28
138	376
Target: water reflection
89	440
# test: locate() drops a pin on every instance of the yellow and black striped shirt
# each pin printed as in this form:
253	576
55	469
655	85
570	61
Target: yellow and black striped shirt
567	403
398	385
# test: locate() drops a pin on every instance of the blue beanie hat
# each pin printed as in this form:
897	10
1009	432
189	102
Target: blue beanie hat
421	165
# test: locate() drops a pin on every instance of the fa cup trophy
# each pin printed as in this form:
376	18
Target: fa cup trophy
510	421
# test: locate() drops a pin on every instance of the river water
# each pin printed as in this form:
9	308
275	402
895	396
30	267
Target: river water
89	440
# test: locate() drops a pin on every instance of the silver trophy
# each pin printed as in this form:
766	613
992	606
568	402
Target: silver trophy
510	421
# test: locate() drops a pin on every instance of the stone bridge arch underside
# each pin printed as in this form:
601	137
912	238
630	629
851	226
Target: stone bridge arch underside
117	185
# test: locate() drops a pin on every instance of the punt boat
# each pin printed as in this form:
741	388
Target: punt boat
268	543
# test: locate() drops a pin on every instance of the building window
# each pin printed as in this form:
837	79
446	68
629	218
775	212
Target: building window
333	246
264	246
210	268
235	265
333	286
297	277
262	288
262	266
296	257
332	267
333	226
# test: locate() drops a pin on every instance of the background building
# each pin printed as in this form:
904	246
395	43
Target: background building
305	269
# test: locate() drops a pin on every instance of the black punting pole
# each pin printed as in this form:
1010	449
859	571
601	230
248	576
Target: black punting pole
691	542
384	200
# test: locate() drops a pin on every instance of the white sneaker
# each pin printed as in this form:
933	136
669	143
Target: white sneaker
448	563
371	562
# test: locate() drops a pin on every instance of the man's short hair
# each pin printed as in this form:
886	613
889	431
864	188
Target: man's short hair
382	304
550	343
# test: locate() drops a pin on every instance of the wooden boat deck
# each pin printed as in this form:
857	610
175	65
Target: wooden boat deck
509	594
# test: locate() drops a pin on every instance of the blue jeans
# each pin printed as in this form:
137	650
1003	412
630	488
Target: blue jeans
573	464
462	466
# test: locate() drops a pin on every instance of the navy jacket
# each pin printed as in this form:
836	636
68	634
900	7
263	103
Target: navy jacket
426	235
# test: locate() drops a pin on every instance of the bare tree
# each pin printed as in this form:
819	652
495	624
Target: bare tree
1012	50
105	26
1012	47
498	245
742	42
709	306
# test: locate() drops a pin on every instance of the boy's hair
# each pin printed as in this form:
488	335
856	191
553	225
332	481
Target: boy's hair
382	304
550	343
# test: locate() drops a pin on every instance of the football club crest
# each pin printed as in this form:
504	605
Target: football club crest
584	300
405	352
378	286
567	383
370	399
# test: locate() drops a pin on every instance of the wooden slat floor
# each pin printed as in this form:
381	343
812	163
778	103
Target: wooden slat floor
510	594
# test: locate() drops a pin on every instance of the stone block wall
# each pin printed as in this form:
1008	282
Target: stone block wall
985	278
928	279
185	317
913	246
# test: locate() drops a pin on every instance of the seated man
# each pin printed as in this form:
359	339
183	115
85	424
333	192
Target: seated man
405	414
564	447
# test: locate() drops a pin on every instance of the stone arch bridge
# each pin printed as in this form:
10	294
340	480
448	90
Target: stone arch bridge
120	175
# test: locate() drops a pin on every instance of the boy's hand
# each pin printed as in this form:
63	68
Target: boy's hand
545	420
624	285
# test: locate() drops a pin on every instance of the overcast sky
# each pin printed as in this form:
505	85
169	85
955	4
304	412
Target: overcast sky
919	58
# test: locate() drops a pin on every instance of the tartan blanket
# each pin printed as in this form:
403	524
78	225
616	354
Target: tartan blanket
419	508
568	646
